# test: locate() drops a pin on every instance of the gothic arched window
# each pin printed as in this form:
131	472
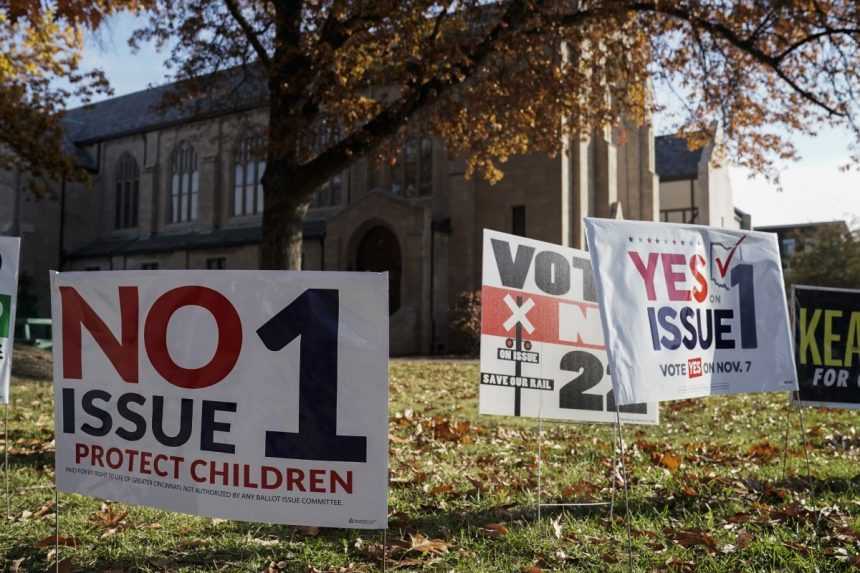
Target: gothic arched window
249	164
184	183
415	175
127	191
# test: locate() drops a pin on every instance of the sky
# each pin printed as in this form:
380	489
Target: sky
814	189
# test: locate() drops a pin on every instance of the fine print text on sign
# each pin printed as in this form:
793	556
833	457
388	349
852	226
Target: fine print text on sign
827	346
258	396
542	349
690	310
9	252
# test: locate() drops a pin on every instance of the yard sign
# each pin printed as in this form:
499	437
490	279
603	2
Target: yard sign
258	396
542	349
690	310
9	249
827	346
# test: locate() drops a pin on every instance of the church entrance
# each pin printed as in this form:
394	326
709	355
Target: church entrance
379	251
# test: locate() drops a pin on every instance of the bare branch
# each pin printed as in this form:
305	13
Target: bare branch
249	32
745	45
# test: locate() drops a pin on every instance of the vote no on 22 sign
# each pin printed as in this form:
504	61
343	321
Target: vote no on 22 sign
542	349
259	396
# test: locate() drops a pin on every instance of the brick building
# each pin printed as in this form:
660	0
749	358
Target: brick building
175	190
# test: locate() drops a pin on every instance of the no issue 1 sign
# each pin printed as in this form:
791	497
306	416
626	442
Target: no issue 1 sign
259	396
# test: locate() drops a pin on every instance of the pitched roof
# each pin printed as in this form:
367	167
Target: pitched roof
218	239
234	90
674	159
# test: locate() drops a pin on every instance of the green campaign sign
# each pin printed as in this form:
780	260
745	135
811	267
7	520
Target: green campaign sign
10	247
5	314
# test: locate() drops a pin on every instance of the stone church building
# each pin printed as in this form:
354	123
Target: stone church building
175	191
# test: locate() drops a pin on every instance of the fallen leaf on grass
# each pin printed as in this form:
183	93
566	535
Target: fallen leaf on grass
582	489
53	540
688	491
424	545
676	564
744	539
44	510
557	528
763	451
111	519
693	537
441	488
447	431
494	530
803	550
667	460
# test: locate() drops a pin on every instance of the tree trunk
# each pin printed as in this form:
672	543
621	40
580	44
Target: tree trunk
283	224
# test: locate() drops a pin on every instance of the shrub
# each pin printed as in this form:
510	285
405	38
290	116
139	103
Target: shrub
467	320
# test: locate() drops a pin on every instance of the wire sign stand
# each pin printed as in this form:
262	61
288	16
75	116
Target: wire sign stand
6	462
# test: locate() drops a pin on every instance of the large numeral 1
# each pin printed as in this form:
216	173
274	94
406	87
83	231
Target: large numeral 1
314	317
742	275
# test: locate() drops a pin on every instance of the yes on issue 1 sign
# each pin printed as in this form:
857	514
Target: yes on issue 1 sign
690	310
827	346
9	252
542	349
258	396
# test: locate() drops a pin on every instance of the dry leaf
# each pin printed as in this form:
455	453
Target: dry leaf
557	528
495	530
108	517
583	489
744	539
693	537
441	488
44	510
763	451
423	545
53	540
667	460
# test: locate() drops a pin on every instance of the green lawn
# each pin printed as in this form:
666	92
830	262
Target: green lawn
707	493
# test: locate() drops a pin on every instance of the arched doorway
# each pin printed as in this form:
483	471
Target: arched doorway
379	251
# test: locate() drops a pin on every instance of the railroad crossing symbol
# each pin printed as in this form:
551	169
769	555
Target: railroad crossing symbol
518	314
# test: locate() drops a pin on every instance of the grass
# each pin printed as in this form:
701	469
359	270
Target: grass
707	492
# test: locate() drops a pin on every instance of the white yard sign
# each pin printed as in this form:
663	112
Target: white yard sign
542	349
258	396
9	249
690	310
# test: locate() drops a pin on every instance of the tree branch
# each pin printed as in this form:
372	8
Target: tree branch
249	32
745	45
815	37
418	97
